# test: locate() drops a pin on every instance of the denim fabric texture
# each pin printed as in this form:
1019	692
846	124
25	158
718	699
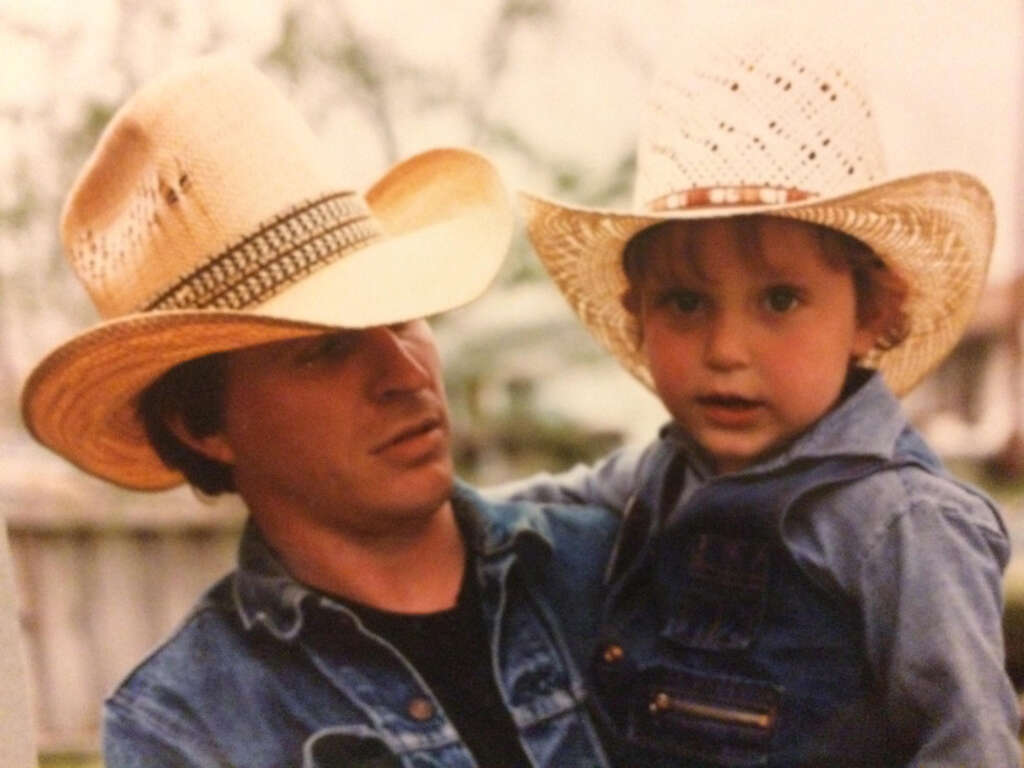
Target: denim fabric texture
837	604
267	673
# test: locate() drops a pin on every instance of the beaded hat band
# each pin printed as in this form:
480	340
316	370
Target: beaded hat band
754	125
275	255
209	218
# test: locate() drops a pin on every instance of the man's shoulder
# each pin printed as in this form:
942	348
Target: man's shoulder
560	553
559	543
179	665
193	699
550	520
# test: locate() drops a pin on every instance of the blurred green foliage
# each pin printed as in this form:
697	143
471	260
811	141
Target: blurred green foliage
70	760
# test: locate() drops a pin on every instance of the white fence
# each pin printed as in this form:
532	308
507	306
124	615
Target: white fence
96	592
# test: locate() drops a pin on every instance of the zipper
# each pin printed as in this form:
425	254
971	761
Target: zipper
663	702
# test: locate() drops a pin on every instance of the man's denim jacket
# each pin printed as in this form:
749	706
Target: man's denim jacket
838	603
266	673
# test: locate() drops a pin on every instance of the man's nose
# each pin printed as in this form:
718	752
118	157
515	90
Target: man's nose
396	363
727	342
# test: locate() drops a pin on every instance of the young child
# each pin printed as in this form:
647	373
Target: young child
798	580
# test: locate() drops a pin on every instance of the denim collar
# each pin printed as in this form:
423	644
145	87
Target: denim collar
265	594
866	423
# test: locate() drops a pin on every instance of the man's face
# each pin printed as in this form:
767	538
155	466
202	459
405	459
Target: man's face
349	428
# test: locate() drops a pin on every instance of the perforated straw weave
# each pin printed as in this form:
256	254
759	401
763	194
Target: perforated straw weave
761	126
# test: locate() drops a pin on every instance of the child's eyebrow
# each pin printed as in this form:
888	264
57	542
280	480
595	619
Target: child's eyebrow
776	271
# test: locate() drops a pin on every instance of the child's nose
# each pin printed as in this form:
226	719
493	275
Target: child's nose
726	344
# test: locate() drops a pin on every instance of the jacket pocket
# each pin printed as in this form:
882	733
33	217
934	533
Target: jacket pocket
337	749
729	720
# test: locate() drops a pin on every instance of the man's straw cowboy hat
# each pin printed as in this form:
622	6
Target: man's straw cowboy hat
765	128
210	218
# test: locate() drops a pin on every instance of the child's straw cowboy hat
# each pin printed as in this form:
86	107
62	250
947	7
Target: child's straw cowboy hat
775	130
210	218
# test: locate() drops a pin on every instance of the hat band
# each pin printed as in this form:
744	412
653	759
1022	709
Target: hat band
294	244
706	197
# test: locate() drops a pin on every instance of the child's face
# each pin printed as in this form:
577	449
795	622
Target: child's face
747	350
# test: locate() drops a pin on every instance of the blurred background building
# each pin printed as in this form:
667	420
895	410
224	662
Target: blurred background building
550	89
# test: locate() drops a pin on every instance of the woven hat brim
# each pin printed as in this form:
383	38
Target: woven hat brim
935	230
81	399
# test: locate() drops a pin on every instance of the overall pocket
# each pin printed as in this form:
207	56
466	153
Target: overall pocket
724	719
717	592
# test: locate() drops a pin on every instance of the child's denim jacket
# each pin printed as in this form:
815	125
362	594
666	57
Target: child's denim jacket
266	673
838	605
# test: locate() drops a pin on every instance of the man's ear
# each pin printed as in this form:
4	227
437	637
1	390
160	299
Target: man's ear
213	446
632	303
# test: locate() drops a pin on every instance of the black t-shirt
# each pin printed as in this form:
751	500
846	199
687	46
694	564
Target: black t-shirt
450	650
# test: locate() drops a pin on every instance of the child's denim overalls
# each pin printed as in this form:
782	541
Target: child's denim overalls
742	659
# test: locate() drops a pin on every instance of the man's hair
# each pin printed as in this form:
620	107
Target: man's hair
192	395
876	285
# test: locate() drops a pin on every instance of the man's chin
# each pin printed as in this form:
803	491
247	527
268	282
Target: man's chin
426	487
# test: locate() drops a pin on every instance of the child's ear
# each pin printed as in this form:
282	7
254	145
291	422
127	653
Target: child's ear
213	446
880	318
863	342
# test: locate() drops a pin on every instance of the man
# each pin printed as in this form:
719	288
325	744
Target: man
263	336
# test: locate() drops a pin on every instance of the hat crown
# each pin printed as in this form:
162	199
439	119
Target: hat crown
206	190
744	122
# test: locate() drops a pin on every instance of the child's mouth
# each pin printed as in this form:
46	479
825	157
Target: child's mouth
733	402
729	410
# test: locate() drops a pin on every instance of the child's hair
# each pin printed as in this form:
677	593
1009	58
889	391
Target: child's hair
878	288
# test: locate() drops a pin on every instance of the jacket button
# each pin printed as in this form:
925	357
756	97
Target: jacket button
613	653
420	708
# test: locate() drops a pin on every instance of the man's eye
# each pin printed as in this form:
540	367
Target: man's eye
331	347
781	298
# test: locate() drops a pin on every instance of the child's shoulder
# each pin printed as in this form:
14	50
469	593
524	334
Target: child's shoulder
899	514
880	498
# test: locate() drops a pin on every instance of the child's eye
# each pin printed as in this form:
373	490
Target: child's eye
781	298
685	302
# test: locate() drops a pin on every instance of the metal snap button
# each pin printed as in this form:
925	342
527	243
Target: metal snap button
420	708
613	653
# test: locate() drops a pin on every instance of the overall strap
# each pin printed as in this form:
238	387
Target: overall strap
660	485
765	498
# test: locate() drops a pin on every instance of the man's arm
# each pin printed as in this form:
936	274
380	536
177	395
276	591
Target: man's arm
608	483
